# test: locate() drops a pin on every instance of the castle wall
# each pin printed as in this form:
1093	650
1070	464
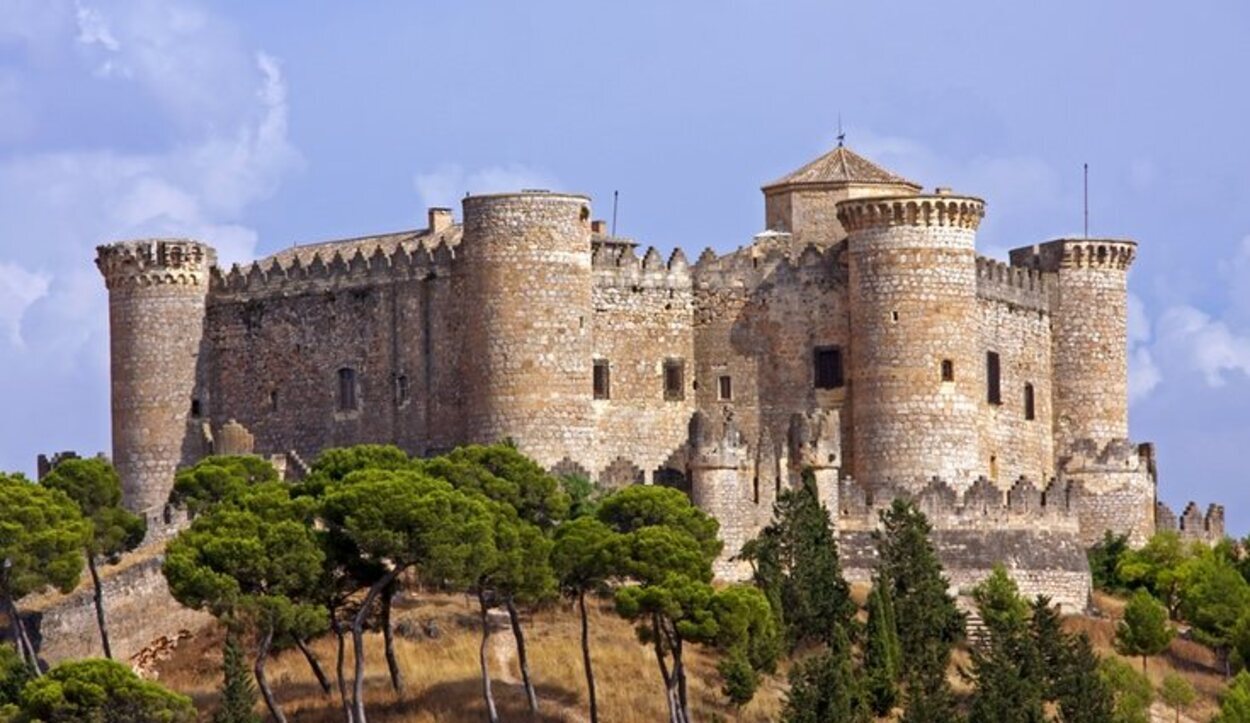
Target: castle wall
810	212
643	314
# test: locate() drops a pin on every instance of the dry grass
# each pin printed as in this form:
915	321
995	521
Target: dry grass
443	678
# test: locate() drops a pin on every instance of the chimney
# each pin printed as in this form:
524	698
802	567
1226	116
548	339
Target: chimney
599	227
440	219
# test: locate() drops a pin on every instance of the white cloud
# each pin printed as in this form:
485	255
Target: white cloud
447	184
1203	344
19	289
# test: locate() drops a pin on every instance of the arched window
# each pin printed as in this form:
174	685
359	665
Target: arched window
347	389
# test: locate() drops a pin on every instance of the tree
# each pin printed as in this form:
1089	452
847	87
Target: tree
882	654
584	557
1131	691
1214	599
1082	695
1159	567
15	672
928	621
826	688
667	555
253	561
1144	630
217	478
1006	663
746	631
1235	706
1177	693
583	495
100	691
238	694
795	559
42	536
94	486
1104	561
404	520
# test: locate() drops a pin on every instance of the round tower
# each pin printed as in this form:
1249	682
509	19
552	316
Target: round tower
917	372
525	265
1089	314
157	291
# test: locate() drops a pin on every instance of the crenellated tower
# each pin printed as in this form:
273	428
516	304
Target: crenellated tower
157	291
916	370
525	265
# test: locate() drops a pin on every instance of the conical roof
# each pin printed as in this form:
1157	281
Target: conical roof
841	166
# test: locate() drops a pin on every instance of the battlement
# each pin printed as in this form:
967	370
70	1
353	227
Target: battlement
292	275
1017	285
940	209
983	504
1192	524
150	262
618	265
1117	455
1051	256
747	268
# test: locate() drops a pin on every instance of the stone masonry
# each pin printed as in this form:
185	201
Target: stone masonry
859	335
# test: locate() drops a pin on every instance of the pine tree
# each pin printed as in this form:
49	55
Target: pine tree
238	692
1006	664
1082	695
881	652
826	688
1144	630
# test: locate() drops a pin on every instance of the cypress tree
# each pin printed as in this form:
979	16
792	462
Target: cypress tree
881	652
1006	664
238	692
825	687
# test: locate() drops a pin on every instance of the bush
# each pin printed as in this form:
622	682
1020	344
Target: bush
100	691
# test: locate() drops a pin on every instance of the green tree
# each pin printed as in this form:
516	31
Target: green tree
583	495
667	554
1130	689
14	674
882	653
1144	630
584	557
1159	567
100	691
217	478
1177	693
1082	695
94	486
747	633
504	475
928	622
795	559
42	536
825	687
254	562
238	694
1235	705
1104	561
1006	664
406	520
1214	599
332	465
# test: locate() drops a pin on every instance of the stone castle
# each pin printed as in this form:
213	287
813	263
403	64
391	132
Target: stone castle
860	336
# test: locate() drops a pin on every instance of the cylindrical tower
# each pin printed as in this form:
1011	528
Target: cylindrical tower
1089	303
157	292
917	373
525	265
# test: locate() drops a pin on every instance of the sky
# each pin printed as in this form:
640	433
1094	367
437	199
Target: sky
257	125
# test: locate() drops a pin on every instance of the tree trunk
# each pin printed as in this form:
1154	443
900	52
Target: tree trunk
358	643
99	606
670	692
514	618
679	673
23	640
1143	665
388	639
262	682
590	675
314	664
337	628
483	653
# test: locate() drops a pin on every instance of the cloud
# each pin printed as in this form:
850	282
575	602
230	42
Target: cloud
19	289
446	185
1203	344
1144	374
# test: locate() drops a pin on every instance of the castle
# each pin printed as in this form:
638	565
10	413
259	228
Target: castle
860	336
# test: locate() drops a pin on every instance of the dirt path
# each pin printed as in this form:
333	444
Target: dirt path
504	667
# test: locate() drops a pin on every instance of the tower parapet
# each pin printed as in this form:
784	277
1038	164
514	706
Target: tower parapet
719	485
915	363
157	291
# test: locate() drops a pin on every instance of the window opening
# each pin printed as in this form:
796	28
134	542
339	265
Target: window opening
828	367
347	389
724	389
602	379
993	379
948	370
674	380
1030	411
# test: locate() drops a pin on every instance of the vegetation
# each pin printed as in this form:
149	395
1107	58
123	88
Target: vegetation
1177	693
1144	630
238	694
99	691
94	486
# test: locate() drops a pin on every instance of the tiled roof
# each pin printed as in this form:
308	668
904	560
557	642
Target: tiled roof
841	165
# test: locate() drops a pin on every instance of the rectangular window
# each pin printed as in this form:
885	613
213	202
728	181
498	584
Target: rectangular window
273	400
401	389
1029	411
948	370
724	389
993	379
674	380
828	367
195	408
602	379
347	389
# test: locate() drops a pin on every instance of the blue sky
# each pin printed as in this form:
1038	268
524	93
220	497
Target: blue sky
256	125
